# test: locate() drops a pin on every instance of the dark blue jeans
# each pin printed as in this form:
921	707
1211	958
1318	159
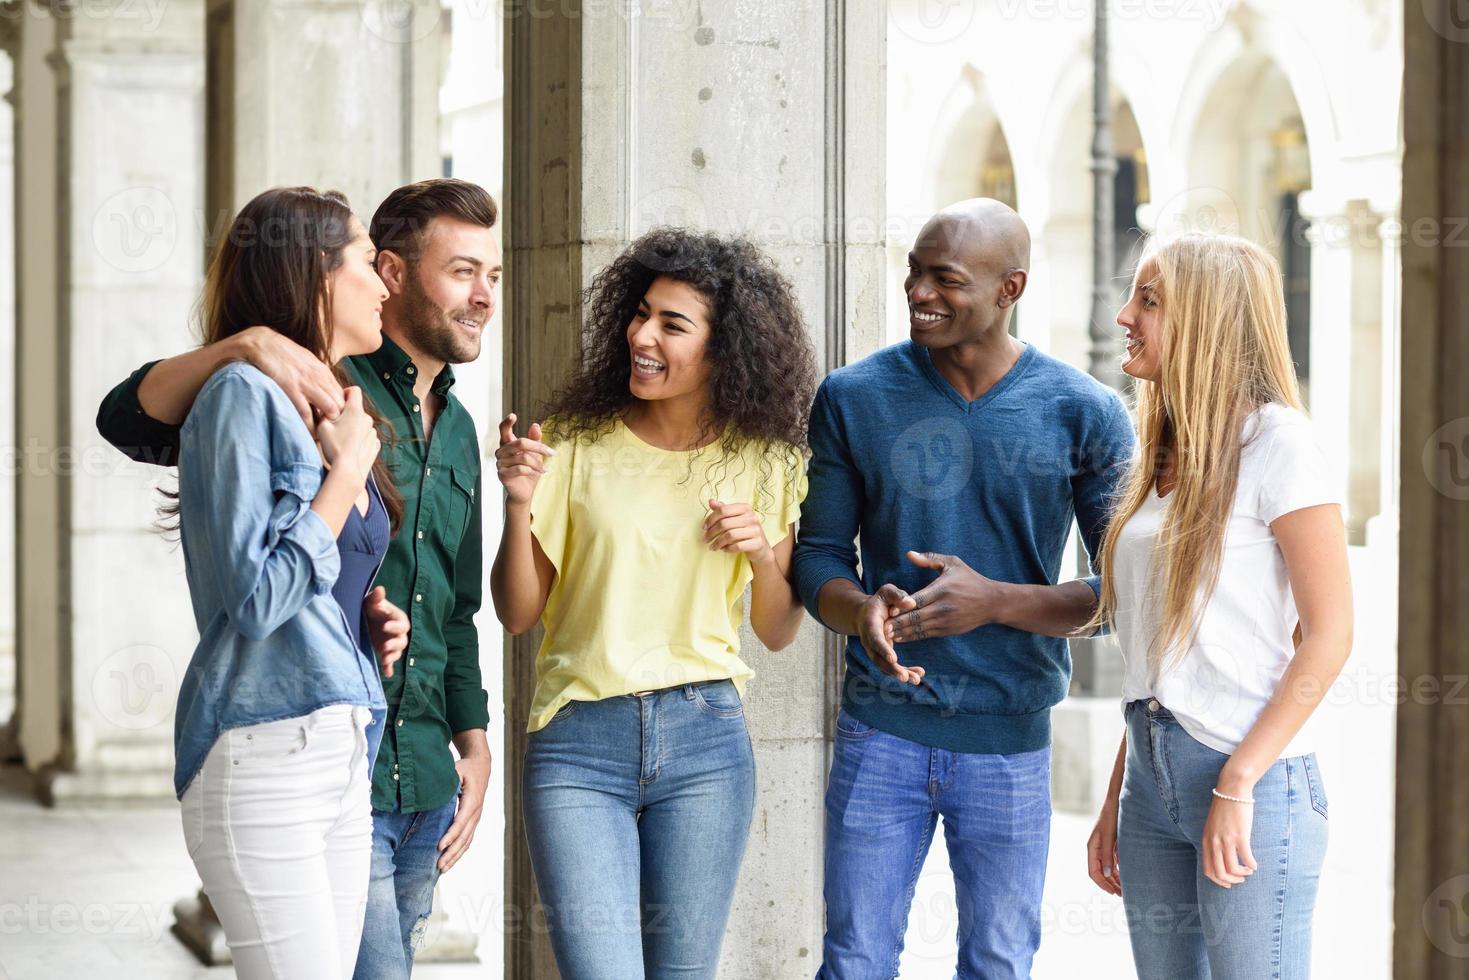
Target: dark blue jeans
400	894
883	801
637	809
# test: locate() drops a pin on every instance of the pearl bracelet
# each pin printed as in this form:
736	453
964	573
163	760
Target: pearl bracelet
1232	799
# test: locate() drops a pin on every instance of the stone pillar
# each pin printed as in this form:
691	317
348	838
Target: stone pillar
767	119
8	35
339	94
1329	390
130	273
1384	526
38	541
1346	387
1431	876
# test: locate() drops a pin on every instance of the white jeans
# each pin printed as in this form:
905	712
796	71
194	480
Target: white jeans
278	823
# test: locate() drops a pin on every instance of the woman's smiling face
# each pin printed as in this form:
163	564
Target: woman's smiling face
668	337
1142	318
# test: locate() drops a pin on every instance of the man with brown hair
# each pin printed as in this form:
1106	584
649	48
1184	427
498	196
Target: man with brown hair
439	259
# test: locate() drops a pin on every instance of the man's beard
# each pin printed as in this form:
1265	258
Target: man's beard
432	330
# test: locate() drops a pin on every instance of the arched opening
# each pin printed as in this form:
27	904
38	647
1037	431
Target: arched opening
1248	165
1068	231
971	160
975	158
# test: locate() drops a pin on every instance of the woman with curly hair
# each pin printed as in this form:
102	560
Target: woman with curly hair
669	479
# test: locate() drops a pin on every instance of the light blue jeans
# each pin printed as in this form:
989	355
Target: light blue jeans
637	809
400	895
1184	926
883	801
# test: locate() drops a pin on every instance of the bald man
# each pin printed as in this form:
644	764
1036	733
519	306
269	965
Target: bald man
959	451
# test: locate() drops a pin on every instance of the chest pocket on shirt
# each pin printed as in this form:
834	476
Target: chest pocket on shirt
461	502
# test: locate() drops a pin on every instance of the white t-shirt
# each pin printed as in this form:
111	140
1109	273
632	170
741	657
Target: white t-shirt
1244	639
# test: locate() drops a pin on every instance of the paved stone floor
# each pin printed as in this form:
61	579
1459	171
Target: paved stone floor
88	893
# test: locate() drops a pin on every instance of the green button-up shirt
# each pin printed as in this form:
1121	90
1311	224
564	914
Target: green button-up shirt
433	569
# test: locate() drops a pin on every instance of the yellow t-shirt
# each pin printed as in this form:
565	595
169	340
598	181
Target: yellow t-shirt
639	602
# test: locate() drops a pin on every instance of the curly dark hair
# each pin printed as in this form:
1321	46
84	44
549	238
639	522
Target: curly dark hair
763	366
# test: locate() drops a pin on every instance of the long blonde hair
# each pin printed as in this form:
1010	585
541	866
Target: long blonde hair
1223	354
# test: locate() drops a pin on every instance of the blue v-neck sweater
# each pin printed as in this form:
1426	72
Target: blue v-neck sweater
901	461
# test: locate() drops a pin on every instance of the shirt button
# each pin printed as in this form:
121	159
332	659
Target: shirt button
387	376
415	408
410	369
418	597
420	535
427	470
410	661
395	775
400	722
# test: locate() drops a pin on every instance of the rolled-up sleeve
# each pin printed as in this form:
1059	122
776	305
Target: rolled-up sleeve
831	514
271	552
466	704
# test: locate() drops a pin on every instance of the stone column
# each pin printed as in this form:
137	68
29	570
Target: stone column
8	36
1431	875
130	273
100	212
1346	387
37	723
339	94
766	119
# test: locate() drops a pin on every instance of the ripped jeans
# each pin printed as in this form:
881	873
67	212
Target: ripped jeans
400	896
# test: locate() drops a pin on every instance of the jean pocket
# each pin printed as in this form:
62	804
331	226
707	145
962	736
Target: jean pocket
562	713
269	742
849	727
719	698
1314	783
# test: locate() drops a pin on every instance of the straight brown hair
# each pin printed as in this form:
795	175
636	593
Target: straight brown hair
273	268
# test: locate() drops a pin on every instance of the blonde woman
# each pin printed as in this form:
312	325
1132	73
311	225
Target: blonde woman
1224	575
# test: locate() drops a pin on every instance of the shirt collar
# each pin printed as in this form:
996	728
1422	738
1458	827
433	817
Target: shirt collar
391	361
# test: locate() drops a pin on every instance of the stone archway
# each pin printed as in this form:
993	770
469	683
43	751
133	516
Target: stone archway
1066	236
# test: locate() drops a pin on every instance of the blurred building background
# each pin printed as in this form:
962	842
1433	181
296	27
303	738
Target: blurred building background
828	130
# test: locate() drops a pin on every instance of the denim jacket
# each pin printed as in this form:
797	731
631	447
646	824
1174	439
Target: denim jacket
273	642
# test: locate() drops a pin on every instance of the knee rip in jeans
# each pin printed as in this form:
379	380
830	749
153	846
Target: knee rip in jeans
419	934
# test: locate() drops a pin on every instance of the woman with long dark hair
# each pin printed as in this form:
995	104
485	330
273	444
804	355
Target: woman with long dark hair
279	713
669	479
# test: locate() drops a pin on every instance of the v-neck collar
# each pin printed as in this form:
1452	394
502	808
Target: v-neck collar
926	365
